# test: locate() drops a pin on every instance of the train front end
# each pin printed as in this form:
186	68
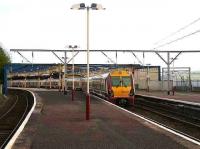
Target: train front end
121	88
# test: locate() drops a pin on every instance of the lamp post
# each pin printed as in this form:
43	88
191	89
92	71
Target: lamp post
82	6
72	47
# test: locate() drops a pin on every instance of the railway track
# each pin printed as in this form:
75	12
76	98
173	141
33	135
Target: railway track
13	116
165	116
185	126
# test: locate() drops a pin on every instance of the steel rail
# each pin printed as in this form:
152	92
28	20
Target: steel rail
196	139
2	116
165	115
160	110
16	126
157	122
161	125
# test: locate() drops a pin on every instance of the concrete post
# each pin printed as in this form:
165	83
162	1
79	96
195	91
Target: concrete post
168	73
65	70
190	83
162	79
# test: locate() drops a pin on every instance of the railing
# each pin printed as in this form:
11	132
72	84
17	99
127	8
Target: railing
185	85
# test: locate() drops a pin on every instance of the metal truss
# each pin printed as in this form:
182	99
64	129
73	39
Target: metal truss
167	61
103	50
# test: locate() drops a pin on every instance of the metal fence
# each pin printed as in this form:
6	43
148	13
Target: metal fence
185	85
195	85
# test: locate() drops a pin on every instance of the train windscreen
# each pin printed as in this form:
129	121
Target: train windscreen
116	81
126	81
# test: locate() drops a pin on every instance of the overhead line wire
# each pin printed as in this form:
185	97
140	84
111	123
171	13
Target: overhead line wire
180	38
193	22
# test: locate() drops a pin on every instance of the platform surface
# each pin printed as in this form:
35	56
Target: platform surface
62	125
184	96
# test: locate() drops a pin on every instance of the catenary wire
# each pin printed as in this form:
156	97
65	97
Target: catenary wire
179	30
180	38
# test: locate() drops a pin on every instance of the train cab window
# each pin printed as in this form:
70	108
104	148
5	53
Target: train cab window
126	81
116	81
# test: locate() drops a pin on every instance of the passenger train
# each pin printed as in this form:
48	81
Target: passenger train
116	86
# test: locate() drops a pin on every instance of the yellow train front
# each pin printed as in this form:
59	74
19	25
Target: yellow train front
121	87
116	87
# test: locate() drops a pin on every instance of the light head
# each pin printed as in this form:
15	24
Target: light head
95	6
81	6
78	6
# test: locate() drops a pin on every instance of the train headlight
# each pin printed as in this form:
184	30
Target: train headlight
132	92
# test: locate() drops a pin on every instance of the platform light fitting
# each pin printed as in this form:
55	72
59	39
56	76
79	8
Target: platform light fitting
81	6
70	46
96	6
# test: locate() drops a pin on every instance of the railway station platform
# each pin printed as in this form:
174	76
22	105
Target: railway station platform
183	96
61	124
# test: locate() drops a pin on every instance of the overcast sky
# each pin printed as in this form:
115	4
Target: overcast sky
125	24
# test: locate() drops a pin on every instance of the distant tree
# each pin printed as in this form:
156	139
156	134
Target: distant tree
4	59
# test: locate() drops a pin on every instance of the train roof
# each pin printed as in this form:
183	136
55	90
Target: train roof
120	73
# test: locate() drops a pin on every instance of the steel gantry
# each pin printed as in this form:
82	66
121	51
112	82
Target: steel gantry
167	61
